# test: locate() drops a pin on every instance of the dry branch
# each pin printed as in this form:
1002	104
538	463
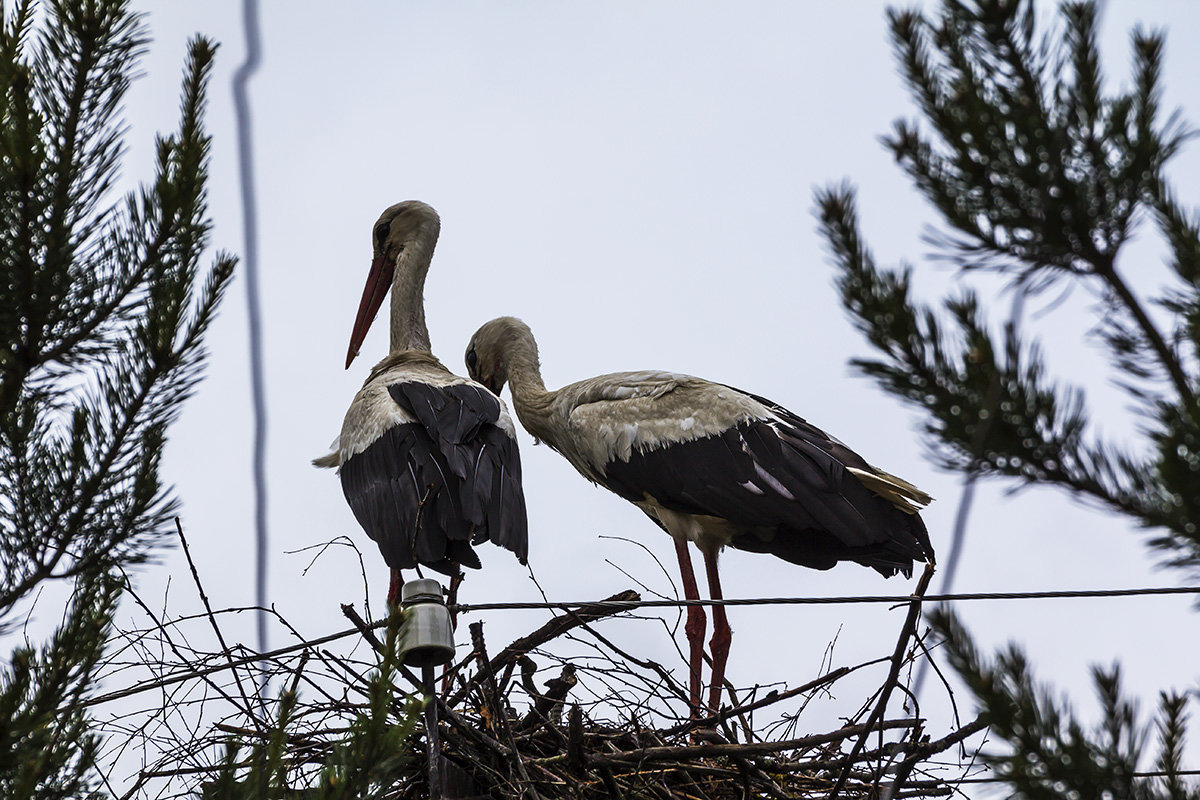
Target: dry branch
553	629
619	737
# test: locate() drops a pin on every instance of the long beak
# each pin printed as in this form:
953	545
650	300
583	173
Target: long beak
378	283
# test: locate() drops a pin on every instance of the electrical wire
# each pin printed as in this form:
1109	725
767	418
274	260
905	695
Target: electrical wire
241	106
1057	594
628	605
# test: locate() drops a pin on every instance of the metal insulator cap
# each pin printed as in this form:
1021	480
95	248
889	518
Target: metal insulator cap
424	590
425	639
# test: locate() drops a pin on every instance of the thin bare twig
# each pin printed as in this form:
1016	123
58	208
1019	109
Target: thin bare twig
187	552
906	633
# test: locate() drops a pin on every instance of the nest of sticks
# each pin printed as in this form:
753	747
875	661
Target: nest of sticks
608	724
502	736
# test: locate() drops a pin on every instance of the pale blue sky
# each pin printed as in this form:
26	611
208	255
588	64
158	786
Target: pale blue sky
635	181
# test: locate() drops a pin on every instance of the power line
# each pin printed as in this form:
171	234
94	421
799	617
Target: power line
627	605
1058	594
1158	773
241	106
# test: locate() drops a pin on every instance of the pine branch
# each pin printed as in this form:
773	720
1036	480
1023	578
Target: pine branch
991	409
46	751
145	376
1041	176
103	327
1053	754
1037	174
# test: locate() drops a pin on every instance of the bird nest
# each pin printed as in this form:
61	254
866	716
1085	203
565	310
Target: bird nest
502	736
605	724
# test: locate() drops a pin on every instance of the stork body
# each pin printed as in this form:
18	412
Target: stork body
428	460
714	466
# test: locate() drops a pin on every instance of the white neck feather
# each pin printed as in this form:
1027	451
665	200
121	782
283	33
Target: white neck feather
408	289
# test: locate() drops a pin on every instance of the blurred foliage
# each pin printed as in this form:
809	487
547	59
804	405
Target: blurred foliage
101	326
1053	755
1041	176
375	751
103	312
47	750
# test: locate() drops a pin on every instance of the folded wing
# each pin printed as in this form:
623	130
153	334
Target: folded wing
774	482
445	477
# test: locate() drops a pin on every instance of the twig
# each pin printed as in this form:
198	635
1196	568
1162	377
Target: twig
365	629
551	630
189	674
906	633
751	749
351	614
658	669
492	696
770	699
946	742
187	552
922	750
175	648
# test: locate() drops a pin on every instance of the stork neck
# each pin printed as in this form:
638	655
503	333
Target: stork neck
532	402
408	291
525	374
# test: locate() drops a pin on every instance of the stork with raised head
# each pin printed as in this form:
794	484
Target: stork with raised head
428	460
711	465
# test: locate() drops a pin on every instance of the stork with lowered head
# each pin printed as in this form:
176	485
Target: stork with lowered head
713	466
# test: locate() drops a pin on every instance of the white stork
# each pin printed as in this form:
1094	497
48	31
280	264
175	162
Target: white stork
712	465
428	460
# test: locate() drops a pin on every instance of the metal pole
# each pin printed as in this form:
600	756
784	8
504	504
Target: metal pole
431	735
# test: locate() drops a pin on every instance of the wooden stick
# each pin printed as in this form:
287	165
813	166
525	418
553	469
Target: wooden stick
431	736
670	753
491	693
551	630
906	633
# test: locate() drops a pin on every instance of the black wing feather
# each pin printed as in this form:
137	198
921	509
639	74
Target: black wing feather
783	486
426	491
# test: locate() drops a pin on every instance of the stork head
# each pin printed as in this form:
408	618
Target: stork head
493	348
399	228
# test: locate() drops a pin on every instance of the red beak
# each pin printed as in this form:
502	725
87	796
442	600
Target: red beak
378	283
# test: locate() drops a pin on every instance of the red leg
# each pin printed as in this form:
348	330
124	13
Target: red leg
722	634
394	591
696	622
451	600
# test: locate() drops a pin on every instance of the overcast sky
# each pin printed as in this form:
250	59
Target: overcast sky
635	181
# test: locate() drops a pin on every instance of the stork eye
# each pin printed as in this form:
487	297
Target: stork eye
381	235
472	359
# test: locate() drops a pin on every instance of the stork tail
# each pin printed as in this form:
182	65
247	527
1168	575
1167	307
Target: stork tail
897	491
